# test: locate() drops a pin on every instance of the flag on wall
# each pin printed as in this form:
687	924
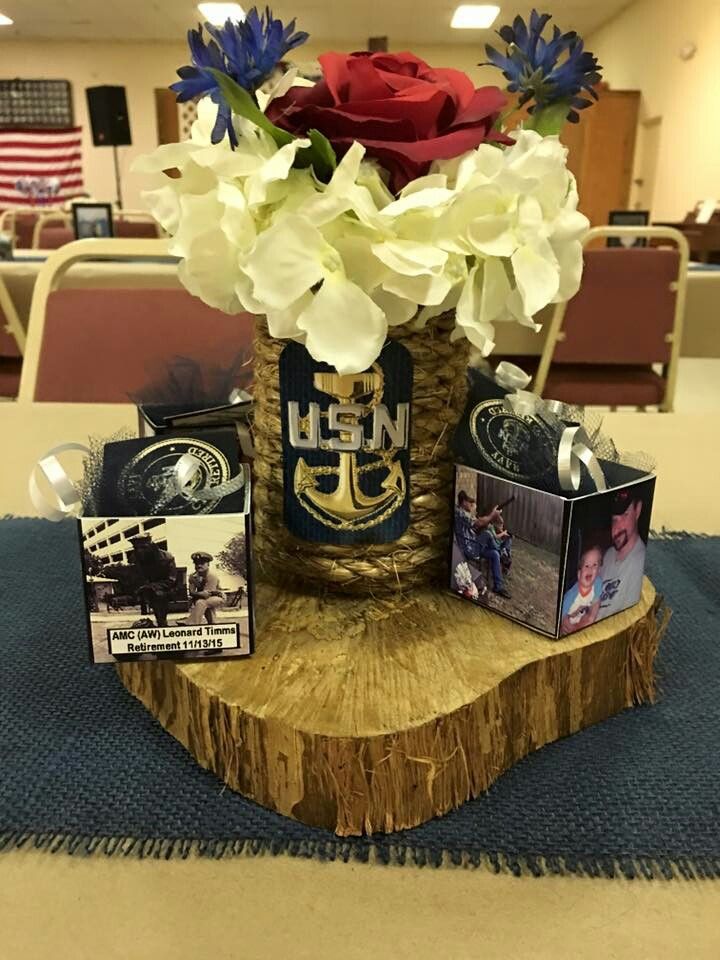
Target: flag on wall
40	167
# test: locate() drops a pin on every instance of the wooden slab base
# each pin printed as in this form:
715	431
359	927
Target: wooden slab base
366	715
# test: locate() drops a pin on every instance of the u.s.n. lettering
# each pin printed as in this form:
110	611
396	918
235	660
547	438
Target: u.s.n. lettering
344	431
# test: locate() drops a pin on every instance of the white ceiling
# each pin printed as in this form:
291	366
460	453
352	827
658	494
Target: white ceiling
410	21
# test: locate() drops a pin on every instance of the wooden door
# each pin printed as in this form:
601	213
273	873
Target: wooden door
166	112
601	152
601	149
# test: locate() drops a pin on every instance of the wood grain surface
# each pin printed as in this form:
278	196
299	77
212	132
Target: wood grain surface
367	715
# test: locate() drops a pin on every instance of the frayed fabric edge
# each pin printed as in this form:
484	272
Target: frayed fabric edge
156	848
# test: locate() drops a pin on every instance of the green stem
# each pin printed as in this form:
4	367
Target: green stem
550	120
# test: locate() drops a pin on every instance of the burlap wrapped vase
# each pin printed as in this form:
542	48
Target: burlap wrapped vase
419	556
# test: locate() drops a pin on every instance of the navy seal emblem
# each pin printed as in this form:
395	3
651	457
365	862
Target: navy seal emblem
518	447
139	476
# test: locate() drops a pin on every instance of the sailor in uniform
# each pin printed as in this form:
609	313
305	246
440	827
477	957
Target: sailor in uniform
204	590
157	574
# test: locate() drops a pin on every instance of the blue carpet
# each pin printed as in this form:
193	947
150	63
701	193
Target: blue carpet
84	768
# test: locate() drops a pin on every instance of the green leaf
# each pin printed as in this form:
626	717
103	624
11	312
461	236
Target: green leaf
241	103
323	148
319	155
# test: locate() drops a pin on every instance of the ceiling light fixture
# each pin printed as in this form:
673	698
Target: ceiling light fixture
218	13
474	16
5	21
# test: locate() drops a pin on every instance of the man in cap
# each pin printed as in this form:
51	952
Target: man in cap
157	574
624	561
204	590
474	539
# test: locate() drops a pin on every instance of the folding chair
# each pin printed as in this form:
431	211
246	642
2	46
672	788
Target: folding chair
12	345
626	318
112	345
135	224
52	230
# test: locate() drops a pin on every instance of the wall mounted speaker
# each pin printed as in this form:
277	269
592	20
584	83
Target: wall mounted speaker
109	120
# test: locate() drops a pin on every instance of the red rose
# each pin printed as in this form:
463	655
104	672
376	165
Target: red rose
406	113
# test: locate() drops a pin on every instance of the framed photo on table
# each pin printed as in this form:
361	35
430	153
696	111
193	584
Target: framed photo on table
628	218
92	220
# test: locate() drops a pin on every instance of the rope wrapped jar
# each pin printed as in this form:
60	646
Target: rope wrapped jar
419	555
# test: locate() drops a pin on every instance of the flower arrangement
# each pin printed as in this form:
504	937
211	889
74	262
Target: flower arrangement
388	193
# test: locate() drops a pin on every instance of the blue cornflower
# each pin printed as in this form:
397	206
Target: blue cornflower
546	71
247	52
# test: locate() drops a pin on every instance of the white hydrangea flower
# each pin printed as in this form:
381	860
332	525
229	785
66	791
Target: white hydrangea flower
515	212
494	234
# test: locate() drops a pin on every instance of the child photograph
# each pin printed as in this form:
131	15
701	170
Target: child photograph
606	554
507	548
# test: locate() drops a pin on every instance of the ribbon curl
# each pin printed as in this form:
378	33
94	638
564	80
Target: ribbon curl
68	497
575	447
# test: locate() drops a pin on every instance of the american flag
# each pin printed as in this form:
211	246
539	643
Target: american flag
40	166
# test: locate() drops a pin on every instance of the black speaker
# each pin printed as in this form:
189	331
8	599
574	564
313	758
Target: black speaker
108	111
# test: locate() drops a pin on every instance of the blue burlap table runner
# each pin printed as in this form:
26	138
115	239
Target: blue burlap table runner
85	769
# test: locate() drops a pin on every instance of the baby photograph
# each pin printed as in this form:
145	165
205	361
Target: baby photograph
606	554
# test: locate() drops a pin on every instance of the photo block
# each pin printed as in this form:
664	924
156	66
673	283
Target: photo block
173	588
556	564
606	554
508	548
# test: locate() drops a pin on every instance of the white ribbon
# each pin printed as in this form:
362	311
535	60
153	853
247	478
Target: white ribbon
575	446
511	377
188	470
68	502
523	403
237	395
575	449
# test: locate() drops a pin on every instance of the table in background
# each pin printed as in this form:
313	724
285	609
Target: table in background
701	336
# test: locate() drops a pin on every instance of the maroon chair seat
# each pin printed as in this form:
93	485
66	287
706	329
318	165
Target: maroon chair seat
112	345
53	237
10	368
8	343
24	227
136	229
605	385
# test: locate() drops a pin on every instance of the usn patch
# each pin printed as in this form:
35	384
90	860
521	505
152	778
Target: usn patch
346	447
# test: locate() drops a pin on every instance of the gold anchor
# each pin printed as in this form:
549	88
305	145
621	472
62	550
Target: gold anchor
348	505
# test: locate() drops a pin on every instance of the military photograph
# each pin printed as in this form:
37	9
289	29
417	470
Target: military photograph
507	548
176	588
